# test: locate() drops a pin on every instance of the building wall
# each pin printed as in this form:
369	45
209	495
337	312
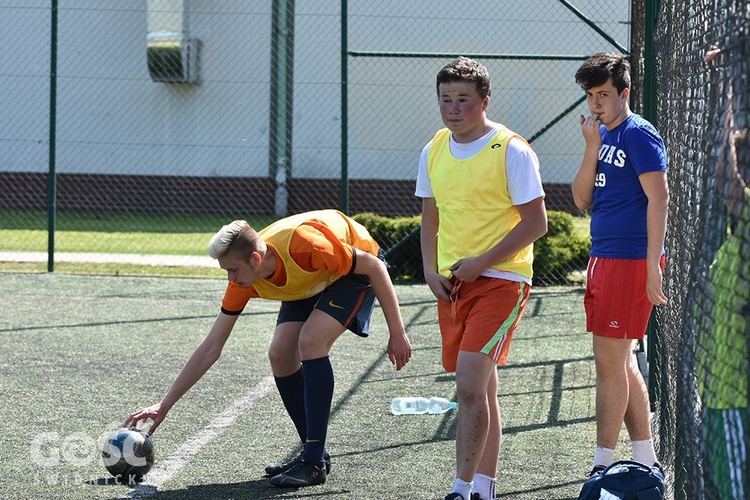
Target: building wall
112	120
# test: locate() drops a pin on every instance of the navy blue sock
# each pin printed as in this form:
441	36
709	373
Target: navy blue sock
318	397
292	392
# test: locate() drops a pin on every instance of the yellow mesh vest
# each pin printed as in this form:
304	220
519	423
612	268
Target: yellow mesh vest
301	284
722	356
475	208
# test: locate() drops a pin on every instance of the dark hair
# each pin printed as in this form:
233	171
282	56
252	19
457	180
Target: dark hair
463	69
602	66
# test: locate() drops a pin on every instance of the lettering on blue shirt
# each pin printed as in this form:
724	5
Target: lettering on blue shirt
618	213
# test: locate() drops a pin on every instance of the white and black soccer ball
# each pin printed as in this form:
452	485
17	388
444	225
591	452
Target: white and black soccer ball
128	454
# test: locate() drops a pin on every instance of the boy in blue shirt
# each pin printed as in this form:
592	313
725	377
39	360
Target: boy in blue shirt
622	179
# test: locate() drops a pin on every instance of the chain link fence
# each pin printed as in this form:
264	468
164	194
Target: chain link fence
700	388
141	127
136	129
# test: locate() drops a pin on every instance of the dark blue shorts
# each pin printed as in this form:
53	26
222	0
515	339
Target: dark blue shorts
349	300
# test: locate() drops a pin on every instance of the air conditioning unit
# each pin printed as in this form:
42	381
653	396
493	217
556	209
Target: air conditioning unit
173	55
173	58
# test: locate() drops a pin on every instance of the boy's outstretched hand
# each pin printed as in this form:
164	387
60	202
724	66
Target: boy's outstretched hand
154	413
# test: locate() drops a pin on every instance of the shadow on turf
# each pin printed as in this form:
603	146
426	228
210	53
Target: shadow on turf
45	328
262	489
248	489
543	492
259	488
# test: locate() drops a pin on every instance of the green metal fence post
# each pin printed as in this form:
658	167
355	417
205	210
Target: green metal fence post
344	107
282	96
52	175
649	113
649	66
658	388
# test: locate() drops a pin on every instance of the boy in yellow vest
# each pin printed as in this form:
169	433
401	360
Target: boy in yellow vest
482	210
326	270
722	325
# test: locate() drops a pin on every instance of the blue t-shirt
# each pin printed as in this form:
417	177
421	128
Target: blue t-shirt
618	213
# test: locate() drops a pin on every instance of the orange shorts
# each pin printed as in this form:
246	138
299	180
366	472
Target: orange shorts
615	300
481	317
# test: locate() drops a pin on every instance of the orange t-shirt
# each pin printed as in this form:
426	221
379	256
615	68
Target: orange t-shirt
312	250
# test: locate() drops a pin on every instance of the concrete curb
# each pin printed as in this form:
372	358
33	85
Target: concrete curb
117	258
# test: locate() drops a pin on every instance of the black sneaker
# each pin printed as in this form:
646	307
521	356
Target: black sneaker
454	496
303	474
281	467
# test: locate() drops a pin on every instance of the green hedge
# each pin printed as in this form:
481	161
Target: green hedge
561	252
399	238
557	256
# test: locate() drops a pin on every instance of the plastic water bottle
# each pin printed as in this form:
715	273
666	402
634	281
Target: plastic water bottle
437	405
419	405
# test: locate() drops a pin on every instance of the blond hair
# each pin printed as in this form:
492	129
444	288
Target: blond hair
237	238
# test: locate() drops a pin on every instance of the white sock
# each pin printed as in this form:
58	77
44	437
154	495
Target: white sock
603	456
485	486
643	451
463	488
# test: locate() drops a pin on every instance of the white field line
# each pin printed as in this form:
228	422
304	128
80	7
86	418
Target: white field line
165	469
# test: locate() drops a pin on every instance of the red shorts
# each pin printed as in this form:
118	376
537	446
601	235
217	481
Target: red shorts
616	302
481	317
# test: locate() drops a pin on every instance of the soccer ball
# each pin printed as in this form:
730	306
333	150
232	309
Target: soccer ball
128	454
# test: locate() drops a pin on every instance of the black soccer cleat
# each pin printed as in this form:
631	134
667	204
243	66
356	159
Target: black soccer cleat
280	467
303	474
277	468
459	496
